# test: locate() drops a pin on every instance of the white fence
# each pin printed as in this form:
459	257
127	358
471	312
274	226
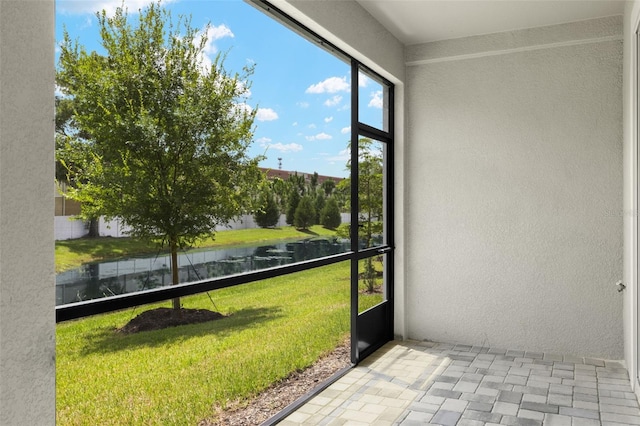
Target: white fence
67	228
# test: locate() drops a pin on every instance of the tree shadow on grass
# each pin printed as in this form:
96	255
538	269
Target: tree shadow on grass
308	232
108	247
106	340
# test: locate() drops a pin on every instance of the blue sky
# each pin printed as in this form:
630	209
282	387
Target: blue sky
302	92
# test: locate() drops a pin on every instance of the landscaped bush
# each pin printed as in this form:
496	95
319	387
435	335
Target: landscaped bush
269	213
330	214
305	213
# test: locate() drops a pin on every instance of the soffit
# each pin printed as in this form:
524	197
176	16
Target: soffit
421	21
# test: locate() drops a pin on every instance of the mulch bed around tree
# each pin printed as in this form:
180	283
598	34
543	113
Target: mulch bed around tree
156	319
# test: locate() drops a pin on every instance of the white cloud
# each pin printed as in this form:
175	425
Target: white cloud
345	130
319	137
295	123
376	99
58	91
290	147
87	23
342	157
330	85
311	126
363	80
328	119
212	34
242	107
302	104
333	101
266	114
243	90
263	141
80	7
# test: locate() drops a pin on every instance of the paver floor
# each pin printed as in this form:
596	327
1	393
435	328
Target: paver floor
417	383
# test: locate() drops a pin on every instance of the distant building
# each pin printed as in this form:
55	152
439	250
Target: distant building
284	175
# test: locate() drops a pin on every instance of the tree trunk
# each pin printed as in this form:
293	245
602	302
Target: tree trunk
174	272
94	227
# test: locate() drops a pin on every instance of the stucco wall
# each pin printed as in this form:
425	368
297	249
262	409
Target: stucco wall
514	183
27	293
630	212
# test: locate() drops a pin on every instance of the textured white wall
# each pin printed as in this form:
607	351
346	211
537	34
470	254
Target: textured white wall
630	92
27	292
514	175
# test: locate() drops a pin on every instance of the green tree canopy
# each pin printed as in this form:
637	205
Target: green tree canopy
168	136
318	204
305	214
292	204
330	214
328	186
370	192
268	213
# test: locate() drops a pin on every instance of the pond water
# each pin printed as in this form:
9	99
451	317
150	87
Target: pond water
109	278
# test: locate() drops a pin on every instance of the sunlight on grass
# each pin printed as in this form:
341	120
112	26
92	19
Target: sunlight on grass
370	283
177	375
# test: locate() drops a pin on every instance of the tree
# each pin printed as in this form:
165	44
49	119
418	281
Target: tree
297	181
370	191
268	213
73	157
328	186
292	204
313	182
279	188
370	203
319	205
330	215
168	135
305	213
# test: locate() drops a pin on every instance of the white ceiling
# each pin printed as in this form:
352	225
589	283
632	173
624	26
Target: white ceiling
420	21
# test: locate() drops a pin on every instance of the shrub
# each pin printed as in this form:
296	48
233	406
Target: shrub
330	214
305	213
269	213
320	201
294	200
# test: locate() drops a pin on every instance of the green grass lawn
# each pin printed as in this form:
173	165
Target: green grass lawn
73	253
178	375
181	375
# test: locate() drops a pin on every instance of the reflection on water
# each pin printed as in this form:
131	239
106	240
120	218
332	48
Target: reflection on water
96	280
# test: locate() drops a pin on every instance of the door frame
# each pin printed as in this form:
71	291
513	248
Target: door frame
374	327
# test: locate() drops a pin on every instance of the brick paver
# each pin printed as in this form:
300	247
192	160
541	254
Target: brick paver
417	383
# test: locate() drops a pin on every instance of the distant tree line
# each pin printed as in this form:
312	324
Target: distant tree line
305	203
